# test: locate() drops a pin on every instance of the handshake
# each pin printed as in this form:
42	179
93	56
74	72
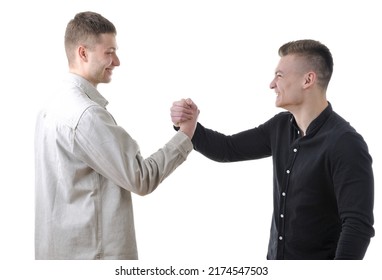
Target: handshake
184	114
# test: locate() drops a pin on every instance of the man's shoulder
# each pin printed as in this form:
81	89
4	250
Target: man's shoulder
343	134
68	105
339	125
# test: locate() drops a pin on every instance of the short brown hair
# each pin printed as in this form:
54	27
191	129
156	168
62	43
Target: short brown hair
85	28
316	54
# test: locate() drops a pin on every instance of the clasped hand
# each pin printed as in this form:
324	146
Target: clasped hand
184	114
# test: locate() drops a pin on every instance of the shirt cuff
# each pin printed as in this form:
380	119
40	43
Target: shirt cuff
182	142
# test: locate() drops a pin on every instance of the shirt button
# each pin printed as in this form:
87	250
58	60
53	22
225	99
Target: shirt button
288	171
295	150
280	237
282	216
283	194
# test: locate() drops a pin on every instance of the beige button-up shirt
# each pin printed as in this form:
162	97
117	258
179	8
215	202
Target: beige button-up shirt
86	168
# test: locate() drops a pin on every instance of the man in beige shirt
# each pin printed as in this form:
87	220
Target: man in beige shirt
86	165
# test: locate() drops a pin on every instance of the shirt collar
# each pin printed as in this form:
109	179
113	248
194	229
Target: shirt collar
320	120
317	122
88	89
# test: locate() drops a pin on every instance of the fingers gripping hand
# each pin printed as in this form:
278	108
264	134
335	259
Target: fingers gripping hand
182	110
184	114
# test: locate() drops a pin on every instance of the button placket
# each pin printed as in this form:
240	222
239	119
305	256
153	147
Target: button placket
288	171
282	215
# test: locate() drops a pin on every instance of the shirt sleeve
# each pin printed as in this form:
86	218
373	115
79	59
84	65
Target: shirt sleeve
354	190
110	150
246	145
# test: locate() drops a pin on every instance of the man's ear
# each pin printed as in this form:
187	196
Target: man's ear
309	79
83	53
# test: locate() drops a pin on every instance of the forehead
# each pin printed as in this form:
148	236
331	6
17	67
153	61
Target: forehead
107	40
290	63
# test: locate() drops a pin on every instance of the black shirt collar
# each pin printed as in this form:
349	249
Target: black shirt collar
317	123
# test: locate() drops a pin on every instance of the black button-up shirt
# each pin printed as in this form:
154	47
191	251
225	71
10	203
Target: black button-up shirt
323	183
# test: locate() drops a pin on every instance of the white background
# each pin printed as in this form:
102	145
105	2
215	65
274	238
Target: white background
222	54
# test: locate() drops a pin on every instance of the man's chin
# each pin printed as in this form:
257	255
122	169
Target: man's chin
106	80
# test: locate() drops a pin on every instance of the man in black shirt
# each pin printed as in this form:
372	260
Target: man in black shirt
323	178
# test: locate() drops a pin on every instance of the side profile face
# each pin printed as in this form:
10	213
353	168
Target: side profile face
100	60
289	81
